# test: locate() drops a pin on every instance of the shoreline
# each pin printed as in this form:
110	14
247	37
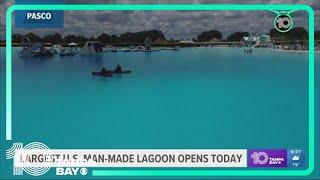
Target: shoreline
295	51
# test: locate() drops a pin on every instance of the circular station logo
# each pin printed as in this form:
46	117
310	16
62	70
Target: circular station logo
283	22
36	171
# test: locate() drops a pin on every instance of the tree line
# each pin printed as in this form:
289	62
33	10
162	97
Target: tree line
297	33
129	37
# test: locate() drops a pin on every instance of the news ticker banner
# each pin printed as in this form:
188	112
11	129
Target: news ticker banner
164	158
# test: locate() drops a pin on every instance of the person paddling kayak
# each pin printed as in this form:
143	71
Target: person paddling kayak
104	70
118	68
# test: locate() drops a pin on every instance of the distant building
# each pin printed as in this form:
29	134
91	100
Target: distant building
186	42
213	40
250	41
265	41
257	41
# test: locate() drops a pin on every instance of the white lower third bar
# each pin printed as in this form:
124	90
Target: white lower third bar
131	158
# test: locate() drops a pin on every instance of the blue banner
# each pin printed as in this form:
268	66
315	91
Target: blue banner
39	19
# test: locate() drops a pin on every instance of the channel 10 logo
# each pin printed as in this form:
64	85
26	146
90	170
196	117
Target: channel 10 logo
283	22
260	158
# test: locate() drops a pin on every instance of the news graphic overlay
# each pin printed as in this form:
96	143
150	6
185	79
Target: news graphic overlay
268	158
149	102
36	159
283	22
296	158
39	19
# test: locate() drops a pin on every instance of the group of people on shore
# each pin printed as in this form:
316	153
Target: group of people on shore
247	50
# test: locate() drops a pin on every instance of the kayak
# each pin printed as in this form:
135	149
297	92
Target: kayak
104	74
121	72
109	73
42	54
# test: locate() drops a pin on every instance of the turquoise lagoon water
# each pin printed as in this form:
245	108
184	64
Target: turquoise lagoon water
191	98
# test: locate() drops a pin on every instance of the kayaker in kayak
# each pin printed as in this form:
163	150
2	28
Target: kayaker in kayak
104	70
118	68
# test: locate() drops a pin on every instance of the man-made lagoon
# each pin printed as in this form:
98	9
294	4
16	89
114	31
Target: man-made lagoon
192	98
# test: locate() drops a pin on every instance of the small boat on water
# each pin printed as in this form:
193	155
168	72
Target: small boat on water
67	52
34	49
74	47
42	52
140	48
125	50
56	48
121	72
103	74
108	73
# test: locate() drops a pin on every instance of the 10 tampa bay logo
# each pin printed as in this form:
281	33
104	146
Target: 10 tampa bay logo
276	158
267	158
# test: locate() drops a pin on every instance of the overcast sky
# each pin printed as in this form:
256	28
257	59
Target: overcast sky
174	24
